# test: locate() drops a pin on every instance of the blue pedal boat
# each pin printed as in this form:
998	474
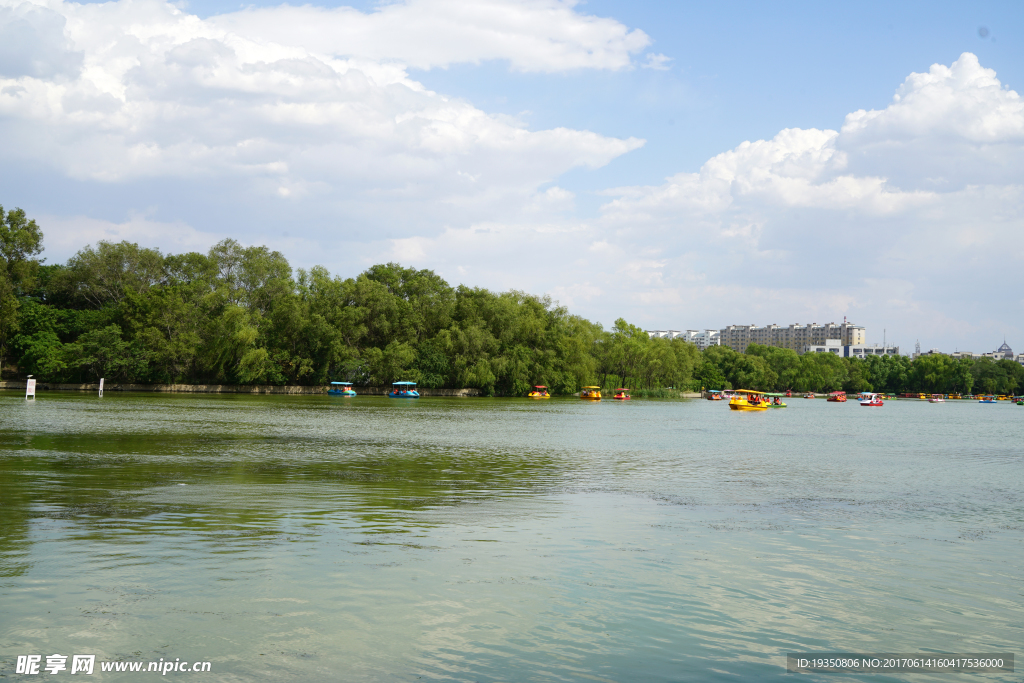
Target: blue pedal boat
404	390
341	389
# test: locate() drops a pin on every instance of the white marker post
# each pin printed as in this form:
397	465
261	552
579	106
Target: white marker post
101	387
30	389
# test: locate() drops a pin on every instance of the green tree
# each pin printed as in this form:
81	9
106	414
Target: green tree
109	272
785	363
21	241
103	353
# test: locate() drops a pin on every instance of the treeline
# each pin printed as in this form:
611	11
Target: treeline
769	368
240	315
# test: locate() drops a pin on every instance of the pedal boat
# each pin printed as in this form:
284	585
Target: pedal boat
621	394
539	391
869	400
837	397
404	390
745	399
341	389
937	398
591	393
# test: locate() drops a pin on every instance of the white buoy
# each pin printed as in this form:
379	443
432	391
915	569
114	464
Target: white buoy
30	389
101	387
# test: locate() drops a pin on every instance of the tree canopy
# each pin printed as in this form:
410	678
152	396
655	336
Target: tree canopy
239	314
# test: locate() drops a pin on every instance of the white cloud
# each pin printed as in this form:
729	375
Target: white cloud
133	89
788	230
964	101
659	62
65	235
32	43
905	214
532	35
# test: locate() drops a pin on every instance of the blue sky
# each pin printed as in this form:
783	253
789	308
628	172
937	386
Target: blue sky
529	145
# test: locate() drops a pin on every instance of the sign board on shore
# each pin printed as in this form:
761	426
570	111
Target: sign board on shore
30	389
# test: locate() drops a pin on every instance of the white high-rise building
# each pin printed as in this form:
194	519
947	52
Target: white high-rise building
702	339
796	337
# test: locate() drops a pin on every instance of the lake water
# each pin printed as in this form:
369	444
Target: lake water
313	538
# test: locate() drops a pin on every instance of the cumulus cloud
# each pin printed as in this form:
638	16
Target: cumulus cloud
532	35
958	122
908	199
160	93
32	43
810	225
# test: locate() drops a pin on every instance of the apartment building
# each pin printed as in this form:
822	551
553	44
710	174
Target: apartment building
797	337
861	351
702	339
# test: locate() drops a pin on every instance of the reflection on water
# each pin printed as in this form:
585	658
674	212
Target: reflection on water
316	538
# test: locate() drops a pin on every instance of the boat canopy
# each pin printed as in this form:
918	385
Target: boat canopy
539	386
347	384
591	387
775	395
714	391
838	393
746	391
403	383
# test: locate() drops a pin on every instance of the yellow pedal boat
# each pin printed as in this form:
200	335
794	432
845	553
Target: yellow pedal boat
591	393
745	399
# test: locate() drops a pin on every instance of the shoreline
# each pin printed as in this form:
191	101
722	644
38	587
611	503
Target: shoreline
251	389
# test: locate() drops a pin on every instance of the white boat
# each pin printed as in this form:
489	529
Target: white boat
937	398
870	400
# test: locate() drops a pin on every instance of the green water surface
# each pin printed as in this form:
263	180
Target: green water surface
315	538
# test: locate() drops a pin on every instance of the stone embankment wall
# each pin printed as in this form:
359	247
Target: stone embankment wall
226	389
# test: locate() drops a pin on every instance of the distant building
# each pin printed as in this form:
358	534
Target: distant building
829	346
796	337
866	350
861	351
702	339
1004	352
